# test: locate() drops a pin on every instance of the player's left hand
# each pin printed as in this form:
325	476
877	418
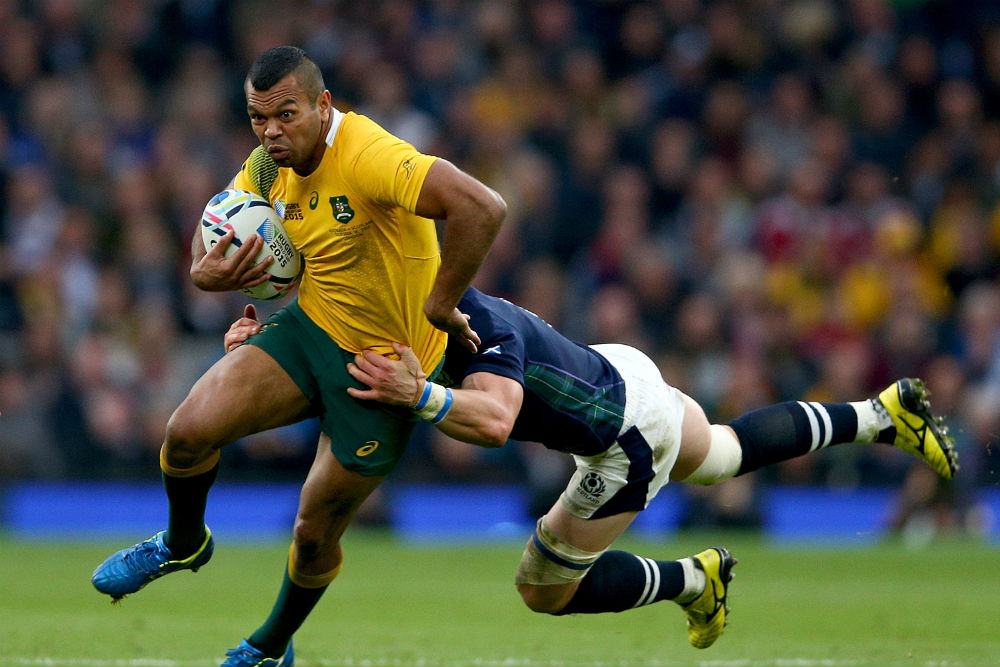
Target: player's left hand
456	324
214	272
241	329
393	381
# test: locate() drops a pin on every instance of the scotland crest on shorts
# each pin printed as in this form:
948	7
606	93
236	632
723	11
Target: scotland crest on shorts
592	486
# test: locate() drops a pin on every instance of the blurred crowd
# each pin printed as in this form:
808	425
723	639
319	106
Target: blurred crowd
776	199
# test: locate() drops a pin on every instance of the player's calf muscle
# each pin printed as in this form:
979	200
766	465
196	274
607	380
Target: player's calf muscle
546	599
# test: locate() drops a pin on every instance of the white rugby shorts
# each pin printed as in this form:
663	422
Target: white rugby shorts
634	469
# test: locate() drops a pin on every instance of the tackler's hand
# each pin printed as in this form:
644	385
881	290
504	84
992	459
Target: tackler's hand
393	381
241	329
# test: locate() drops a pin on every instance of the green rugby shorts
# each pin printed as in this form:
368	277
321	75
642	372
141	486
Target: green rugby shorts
367	437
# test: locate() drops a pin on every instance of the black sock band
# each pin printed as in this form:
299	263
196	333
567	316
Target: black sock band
619	580
787	430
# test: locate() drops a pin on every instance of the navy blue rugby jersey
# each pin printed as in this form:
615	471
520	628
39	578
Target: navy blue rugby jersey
574	399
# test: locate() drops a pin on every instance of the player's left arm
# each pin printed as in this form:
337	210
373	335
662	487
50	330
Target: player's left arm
472	213
482	412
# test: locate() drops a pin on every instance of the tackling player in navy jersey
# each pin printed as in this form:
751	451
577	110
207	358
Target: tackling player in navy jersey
630	433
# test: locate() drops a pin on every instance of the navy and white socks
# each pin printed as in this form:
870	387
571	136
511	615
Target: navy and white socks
619	581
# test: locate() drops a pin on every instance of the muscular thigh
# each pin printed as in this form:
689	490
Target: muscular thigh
696	438
245	392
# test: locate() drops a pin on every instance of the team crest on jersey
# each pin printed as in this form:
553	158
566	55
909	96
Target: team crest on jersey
342	211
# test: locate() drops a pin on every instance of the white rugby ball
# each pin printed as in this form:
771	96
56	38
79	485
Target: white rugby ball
247	213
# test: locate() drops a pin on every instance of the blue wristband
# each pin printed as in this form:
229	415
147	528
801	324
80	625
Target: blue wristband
448	398
424	396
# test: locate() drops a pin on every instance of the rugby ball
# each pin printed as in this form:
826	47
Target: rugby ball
247	213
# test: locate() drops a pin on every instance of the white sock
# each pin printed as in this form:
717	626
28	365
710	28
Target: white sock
694	581
870	420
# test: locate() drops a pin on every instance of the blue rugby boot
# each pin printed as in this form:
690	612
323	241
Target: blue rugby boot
246	655
130	569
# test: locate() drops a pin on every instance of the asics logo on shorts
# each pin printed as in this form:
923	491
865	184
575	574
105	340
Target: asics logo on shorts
367	448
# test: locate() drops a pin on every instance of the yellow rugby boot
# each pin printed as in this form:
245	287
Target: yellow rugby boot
915	430
706	614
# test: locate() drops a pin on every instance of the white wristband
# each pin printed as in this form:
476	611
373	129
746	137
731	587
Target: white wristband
435	402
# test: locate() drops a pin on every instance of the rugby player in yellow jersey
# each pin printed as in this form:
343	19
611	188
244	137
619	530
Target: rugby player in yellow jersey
360	206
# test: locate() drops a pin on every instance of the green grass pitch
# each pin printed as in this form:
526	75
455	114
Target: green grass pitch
450	606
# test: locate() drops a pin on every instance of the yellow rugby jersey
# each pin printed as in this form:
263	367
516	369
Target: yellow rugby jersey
370	261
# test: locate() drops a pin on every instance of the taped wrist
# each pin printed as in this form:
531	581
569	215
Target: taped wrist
434	402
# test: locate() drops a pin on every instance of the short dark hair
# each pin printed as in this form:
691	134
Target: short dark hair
278	62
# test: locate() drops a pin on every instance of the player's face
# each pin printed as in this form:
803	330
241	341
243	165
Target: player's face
289	124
